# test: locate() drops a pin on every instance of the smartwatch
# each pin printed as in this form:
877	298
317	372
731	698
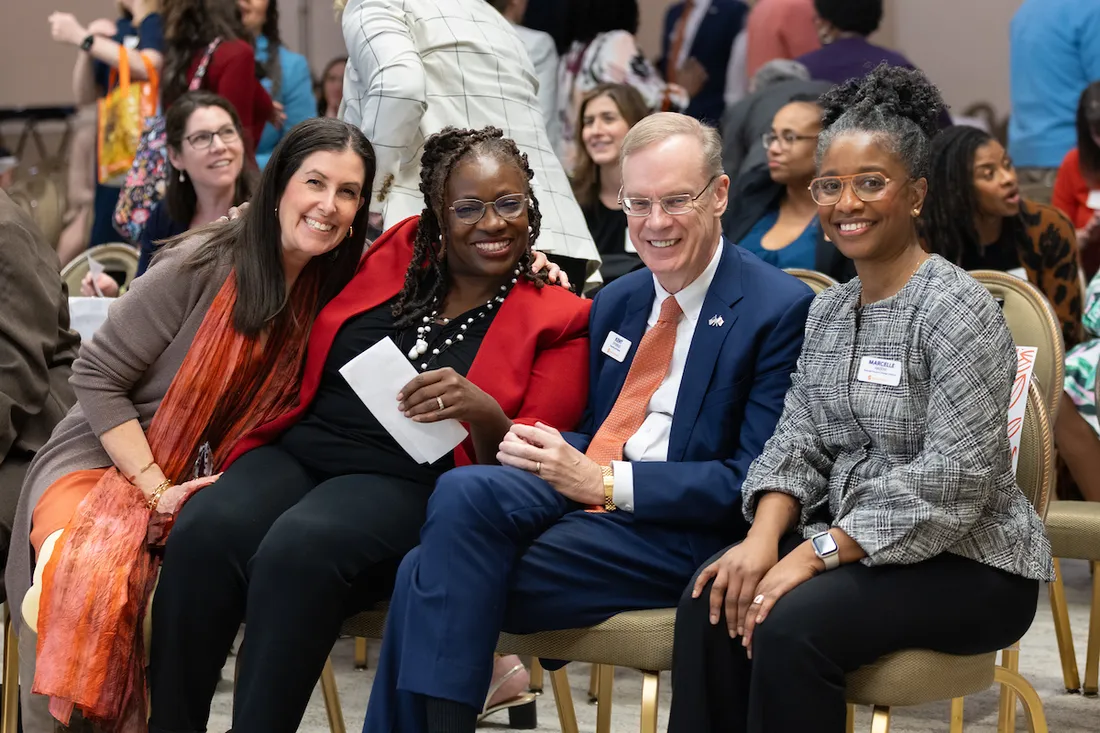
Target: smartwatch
86	44
826	548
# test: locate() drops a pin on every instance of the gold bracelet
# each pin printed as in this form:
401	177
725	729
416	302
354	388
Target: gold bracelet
154	496
148	465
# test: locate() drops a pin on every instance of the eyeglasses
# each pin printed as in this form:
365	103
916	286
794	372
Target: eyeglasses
204	138
676	204
786	140
867	187
470	211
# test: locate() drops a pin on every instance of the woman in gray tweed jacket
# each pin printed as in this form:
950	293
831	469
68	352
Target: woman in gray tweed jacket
885	511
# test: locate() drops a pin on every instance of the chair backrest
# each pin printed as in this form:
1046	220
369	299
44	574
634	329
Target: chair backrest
1032	322
43	198
1035	470
115	258
818	281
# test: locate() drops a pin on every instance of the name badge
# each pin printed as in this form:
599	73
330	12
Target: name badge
1093	201
879	371
616	346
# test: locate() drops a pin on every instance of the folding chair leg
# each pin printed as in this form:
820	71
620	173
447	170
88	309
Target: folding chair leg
850	719
594	684
332	699
1006	717
1033	706
536	683
563	698
9	717
651	684
880	720
605	680
360	653
1062	631
957	715
1092	653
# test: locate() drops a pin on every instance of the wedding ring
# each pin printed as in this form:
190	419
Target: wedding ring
759	600
439	401
538	466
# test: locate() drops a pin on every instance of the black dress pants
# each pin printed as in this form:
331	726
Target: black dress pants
830	625
291	557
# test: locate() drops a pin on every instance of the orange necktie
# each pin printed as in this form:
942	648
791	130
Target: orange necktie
672	63
647	371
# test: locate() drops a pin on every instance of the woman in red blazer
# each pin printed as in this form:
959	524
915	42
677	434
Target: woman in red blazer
316	510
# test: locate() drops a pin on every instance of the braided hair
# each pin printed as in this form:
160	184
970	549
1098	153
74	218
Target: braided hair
947	220
426	280
899	106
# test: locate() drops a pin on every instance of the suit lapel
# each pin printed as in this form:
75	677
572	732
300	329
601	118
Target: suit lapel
632	328
716	323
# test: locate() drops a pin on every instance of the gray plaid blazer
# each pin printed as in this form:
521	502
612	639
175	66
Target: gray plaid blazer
913	470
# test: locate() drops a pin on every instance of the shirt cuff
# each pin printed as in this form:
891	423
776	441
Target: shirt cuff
622	492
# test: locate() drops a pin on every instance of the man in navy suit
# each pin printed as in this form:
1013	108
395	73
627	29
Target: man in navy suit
705	38
517	547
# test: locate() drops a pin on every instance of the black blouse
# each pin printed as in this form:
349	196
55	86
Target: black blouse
338	434
608	228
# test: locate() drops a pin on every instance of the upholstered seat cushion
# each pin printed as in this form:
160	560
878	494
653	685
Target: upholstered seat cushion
1074	529
917	676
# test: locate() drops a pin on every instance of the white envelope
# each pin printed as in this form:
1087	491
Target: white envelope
376	376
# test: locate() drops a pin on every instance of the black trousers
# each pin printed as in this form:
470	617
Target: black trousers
291	557
829	626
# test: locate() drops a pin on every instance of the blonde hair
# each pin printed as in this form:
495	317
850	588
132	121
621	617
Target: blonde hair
661	126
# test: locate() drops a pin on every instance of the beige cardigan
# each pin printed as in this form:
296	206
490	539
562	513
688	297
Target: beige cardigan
122	373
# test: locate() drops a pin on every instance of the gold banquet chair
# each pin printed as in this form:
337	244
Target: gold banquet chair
1074	529
1032	322
918	676
115	257
818	281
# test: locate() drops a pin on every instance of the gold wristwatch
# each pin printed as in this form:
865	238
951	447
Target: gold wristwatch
608	488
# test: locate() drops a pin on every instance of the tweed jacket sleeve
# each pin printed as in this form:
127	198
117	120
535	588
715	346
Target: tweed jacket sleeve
919	509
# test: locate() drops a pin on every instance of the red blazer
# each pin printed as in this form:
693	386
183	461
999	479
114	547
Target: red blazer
533	360
1071	192
232	74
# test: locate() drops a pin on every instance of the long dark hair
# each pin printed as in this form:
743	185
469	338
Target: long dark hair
273	70
586	174
180	196
947	219
189	27
252	244
589	18
426	280
1088	129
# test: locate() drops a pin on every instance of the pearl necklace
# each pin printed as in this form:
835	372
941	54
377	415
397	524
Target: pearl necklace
424	332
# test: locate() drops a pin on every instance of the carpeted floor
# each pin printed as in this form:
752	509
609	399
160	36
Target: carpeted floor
1038	662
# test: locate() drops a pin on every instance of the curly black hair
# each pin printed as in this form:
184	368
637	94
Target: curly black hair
854	16
426	281
947	219
896	104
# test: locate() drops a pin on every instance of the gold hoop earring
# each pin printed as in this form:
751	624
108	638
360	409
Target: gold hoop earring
350	231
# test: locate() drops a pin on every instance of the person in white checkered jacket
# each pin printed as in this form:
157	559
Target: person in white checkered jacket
417	66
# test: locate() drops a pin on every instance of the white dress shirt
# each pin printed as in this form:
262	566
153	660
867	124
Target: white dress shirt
417	66
650	443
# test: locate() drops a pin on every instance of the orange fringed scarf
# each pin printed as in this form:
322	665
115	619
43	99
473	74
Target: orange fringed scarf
97	583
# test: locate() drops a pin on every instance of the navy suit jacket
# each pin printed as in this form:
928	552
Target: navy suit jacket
731	395
711	47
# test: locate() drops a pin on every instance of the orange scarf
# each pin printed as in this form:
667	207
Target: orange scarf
97	583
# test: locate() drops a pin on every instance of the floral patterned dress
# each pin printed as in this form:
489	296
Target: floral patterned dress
1081	360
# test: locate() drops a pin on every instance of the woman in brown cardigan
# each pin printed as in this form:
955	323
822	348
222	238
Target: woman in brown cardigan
188	303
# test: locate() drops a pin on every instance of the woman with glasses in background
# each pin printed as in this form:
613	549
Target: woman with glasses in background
885	512
206	176
309	525
771	212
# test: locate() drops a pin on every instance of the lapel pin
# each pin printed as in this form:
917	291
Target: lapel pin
716	321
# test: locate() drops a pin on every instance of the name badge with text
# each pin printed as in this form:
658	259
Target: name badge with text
879	371
616	346
1093	201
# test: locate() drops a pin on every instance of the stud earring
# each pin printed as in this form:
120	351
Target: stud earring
183	178
530	231
916	212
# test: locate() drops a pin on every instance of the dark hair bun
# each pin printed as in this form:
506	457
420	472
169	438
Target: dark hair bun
892	90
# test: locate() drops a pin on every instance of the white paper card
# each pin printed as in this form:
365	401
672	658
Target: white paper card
1017	406
376	376
86	315
616	346
879	371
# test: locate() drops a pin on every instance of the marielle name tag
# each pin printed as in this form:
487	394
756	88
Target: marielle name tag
879	371
616	346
